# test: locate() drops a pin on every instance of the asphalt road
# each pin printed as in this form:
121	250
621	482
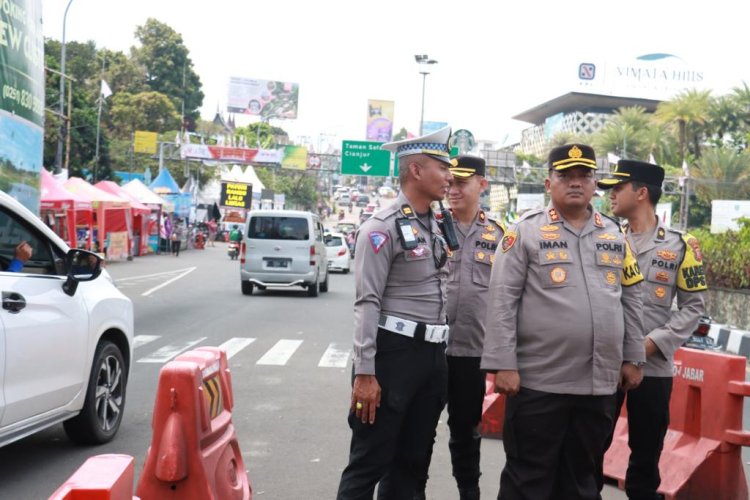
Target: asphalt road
291	382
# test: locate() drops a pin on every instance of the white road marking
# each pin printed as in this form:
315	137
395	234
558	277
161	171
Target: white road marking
188	271
152	275
141	340
280	353
235	345
169	351
335	357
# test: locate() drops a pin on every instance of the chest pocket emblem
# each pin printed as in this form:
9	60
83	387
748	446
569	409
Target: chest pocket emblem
558	275
660	292
611	278
662	276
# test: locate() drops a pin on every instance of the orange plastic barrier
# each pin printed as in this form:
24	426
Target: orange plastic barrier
194	453
103	477
701	456
493	411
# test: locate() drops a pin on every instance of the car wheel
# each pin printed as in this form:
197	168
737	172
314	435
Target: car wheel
324	285
102	410
313	288
247	288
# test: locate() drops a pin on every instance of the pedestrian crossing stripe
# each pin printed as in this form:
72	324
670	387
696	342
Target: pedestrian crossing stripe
212	388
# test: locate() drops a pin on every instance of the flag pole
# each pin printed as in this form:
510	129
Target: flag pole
98	123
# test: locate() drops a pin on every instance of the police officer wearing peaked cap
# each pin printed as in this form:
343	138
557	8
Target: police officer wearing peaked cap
672	266
564	329
470	268
400	330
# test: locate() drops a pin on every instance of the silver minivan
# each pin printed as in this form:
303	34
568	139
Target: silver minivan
283	248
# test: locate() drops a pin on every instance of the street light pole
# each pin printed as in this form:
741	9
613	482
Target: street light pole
63	128
423	59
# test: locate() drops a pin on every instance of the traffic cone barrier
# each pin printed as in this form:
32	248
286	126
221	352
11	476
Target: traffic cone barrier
194	452
103	477
702	449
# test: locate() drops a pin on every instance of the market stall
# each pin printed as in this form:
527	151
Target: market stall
141	216
65	212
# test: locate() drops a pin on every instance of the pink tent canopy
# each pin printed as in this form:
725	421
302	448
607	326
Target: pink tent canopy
61	208
113	214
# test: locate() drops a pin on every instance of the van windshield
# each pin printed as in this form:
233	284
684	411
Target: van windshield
278	228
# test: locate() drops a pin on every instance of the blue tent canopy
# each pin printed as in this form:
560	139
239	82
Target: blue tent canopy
164	183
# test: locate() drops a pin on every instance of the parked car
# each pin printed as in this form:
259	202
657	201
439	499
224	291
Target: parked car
283	248
66	334
345	199
345	227
339	256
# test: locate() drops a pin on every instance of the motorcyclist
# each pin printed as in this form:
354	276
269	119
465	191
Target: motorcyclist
235	235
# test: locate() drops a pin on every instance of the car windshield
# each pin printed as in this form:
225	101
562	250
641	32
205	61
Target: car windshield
278	228
333	241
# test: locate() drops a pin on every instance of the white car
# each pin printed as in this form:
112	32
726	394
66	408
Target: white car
66	336
339	256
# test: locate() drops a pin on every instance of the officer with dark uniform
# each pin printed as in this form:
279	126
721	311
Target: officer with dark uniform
672	266
400	330
564	330
470	268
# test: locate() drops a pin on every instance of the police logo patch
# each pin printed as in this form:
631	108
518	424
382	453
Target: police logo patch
558	275
662	276
660	292
598	220
377	240
489	237
666	254
508	241
549	228
606	236
611	278
550	236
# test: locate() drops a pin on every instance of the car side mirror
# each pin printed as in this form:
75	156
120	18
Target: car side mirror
82	266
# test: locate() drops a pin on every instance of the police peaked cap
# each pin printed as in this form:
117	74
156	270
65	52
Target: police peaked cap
634	171
571	155
465	166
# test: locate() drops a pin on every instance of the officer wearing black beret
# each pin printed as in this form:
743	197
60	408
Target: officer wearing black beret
672	266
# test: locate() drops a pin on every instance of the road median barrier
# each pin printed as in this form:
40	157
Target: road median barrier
103	477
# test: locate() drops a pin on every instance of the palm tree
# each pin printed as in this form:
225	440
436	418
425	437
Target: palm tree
622	133
688	113
722	174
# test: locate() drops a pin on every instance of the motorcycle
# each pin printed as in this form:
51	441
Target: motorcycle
233	250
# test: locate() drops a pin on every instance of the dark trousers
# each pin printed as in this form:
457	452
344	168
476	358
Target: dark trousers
554	445
648	419
413	378
176	247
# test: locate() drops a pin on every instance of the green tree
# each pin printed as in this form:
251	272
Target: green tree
168	67
401	134
688	113
270	136
152	111
722	174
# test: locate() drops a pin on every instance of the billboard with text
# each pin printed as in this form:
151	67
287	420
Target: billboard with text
264	98
379	120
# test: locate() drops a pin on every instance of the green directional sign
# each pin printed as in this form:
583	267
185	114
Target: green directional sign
365	158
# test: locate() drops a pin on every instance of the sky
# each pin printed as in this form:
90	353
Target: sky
495	59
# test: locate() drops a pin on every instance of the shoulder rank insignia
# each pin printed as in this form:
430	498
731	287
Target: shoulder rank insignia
482	217
489	237
606	236
598	220
407	211
553	216
549	228
666	254
508	241
377	240
660	234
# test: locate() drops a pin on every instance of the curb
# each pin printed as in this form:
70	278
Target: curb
730	339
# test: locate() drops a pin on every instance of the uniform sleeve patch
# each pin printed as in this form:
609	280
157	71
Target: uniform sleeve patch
631	273
691	276
377	240
508	241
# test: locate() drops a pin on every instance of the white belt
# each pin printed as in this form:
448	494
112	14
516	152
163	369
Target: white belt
408	328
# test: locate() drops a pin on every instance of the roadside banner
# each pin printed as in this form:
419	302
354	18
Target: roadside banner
145	142
379	120
264	98
295	157
236	195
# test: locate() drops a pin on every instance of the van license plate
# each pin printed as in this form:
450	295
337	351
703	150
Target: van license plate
277	263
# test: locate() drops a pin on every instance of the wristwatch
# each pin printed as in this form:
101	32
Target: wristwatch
637	364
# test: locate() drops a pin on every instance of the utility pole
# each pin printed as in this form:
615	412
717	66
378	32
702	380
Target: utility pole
423	59
63	124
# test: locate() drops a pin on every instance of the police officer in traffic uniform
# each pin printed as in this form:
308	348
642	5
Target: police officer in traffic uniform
564	330
672	266
400	330
470	268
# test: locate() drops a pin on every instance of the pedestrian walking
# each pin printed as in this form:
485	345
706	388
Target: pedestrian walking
399	372
564	330
470	268
212	232
672	265
177	234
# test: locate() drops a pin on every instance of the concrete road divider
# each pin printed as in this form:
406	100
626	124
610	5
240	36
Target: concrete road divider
194	452
701	456
103	477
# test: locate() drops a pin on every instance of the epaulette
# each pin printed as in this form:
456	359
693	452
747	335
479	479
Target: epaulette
498	223
621	227
531	213
386	212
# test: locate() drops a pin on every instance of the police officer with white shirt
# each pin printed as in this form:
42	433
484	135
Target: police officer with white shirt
672	266
400	330
564	329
